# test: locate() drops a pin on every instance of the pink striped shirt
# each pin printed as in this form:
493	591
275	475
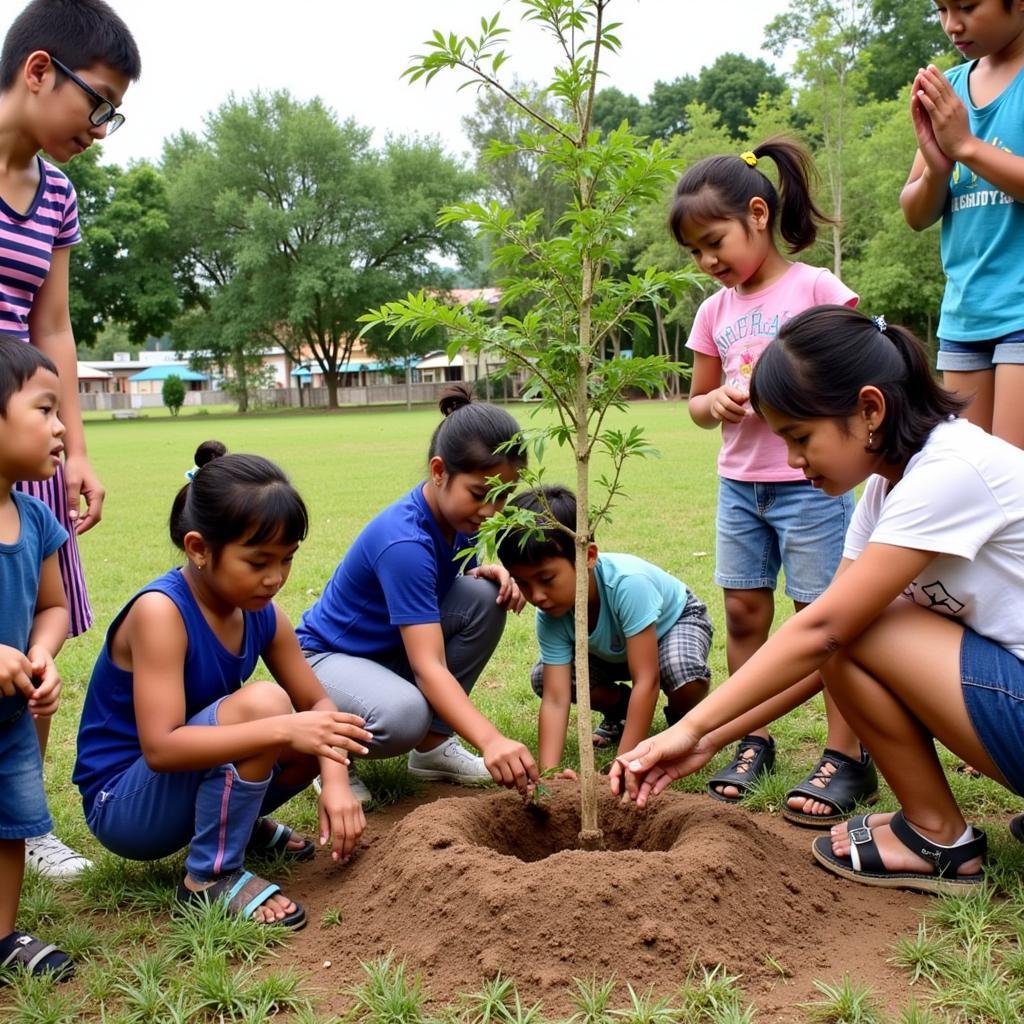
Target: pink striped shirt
27	241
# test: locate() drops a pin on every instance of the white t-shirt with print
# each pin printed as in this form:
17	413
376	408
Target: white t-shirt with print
961	496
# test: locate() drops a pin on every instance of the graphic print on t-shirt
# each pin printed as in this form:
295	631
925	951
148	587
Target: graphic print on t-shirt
935	597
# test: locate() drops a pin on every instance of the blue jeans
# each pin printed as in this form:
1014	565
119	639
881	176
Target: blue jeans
763	527
969	356
145	815
23	810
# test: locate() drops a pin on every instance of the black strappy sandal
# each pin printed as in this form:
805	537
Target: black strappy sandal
754	758
865	863
848	784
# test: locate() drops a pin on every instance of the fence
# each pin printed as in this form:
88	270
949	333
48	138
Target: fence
306	397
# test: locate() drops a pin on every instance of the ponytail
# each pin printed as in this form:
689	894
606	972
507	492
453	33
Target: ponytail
237	499
474	437
823	357
721	188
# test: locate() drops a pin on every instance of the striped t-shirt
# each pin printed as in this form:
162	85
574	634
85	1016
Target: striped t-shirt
27	241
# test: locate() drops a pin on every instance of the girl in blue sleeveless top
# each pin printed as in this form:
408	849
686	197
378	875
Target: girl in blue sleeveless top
172	750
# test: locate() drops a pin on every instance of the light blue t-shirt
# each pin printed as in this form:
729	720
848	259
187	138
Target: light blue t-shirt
633	595
983	227
21	565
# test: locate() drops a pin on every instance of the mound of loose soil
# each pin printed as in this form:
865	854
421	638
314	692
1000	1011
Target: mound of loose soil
466	887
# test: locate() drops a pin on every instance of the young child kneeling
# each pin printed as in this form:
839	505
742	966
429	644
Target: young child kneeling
645	627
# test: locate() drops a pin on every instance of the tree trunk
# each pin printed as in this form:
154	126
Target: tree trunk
408	383
590	837
331	380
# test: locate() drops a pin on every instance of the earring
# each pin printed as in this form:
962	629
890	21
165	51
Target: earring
871	439
201	563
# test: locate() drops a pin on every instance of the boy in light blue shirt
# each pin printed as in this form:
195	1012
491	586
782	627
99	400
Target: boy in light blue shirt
645	627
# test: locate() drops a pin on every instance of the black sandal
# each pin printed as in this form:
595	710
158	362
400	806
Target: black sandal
865	864
270	837
1017	828
743	771
38	958
849	784
613	722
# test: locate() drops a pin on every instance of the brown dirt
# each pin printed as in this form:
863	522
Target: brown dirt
470	885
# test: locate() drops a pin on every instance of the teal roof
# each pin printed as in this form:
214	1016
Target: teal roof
165	370
305	371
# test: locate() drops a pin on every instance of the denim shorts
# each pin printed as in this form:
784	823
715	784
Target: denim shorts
968	356
23	810
993	688
142	814
763	527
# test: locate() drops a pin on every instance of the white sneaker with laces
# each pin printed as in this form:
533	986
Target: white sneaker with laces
356	784
449	762
51	858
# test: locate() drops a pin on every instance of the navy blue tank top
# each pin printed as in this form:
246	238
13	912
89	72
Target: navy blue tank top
108	737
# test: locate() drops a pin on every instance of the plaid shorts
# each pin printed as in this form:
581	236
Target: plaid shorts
682	655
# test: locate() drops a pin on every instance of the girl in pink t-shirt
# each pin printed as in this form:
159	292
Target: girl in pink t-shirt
769	515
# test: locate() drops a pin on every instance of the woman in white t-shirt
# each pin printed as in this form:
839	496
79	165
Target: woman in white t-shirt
919	637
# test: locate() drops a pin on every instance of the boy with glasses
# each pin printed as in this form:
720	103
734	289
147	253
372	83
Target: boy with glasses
64	69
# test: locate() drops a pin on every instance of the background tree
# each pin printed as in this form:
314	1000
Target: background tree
173	393
733	84
514	174
123	269
667	106
294	226
905	37
574	299
833	35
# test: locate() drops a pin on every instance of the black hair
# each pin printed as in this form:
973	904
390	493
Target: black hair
553	507
237	499
19	363
821	359
474	436
721	188
78	33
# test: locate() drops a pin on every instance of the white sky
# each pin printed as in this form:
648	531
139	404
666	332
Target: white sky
351	53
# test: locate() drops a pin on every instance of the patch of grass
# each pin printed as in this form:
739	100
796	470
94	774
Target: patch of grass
843	1003
591	998
331	918
389	995
967	959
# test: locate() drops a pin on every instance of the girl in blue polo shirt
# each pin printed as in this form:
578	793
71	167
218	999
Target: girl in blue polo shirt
401	634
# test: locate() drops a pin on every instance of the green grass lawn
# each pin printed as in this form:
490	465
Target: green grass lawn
139	966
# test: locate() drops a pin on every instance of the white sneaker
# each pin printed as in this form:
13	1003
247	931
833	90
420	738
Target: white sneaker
51	858
449	762
356	784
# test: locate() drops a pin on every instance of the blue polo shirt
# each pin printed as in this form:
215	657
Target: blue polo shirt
397	572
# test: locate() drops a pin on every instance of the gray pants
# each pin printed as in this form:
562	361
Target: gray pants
384	691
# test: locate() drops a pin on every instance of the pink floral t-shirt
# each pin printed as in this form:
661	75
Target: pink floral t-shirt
736	329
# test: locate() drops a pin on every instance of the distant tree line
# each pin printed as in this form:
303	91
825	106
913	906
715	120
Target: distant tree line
280	224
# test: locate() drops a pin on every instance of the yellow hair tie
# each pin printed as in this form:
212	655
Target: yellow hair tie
749	158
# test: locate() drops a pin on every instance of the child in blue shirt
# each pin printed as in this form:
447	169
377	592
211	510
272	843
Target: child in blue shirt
33	624
645	627
402	634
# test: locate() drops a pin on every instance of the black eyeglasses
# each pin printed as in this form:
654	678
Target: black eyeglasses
104	112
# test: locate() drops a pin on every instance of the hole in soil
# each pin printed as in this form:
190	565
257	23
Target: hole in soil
539	831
